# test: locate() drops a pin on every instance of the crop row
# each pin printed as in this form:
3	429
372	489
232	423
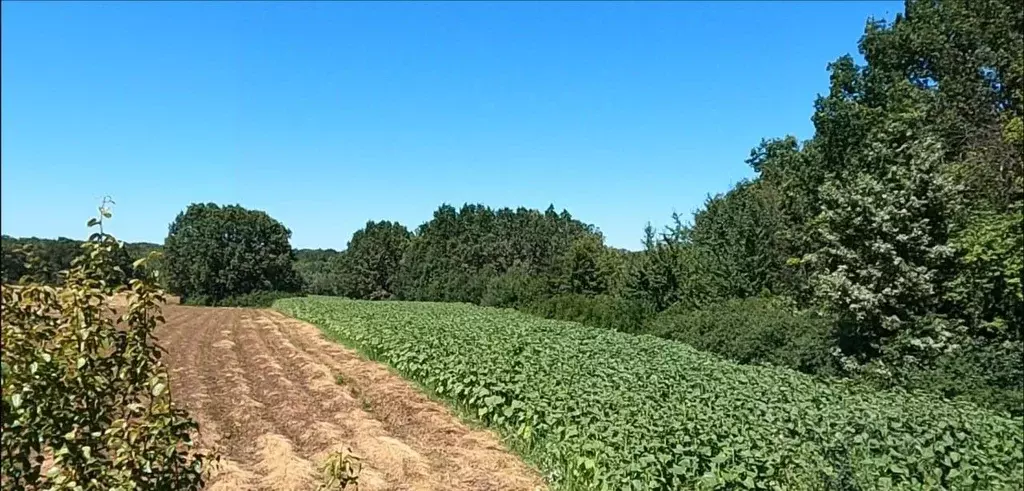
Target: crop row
597	409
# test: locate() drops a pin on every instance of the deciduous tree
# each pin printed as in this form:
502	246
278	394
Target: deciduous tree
222	251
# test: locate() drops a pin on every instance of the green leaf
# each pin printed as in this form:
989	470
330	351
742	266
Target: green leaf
493	400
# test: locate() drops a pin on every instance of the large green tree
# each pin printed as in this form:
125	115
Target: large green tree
885	259
320	270
937	106
215	252
371	261
460	253
901	215
742	236
579	270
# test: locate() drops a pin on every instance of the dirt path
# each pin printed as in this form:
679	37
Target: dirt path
273	397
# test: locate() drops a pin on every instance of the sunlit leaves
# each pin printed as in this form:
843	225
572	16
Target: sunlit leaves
597	409
84	387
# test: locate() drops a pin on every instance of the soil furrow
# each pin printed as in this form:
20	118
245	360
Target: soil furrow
405	413
274	398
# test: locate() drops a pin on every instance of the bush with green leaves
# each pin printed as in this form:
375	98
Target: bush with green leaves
753	331
989	374
86	401
599	409
52	256
514	288
254	299
604	311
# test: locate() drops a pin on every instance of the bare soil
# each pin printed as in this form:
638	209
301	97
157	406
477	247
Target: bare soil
273	398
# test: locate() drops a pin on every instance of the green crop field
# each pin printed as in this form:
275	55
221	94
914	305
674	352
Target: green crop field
597	409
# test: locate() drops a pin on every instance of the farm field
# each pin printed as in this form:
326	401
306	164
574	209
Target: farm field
649	246
273	398
598	409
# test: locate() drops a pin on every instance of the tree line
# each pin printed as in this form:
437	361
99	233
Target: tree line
42	260
888	248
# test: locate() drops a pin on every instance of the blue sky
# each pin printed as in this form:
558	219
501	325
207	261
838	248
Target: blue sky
326	115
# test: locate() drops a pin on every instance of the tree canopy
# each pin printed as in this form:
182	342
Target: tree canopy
372	259
901	217
217	252
49	257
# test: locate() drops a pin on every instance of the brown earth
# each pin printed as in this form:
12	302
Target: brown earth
274	398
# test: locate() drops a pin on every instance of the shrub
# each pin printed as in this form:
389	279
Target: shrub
200	300
767	331
989	374
513	288
50	257
85	390
753	331
340	470
254	299
603	311
598	409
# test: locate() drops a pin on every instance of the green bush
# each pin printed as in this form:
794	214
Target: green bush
513	288
604	311
768	331
753	331
83	386
599	409
989	374
254	299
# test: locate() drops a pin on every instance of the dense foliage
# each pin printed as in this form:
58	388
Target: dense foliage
86	403
254	299
371	261
216	252
603	311
599	409
753	331
475	254
458	254
42	260
319	270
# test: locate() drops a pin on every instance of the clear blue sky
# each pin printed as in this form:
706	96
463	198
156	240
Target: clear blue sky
328	114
